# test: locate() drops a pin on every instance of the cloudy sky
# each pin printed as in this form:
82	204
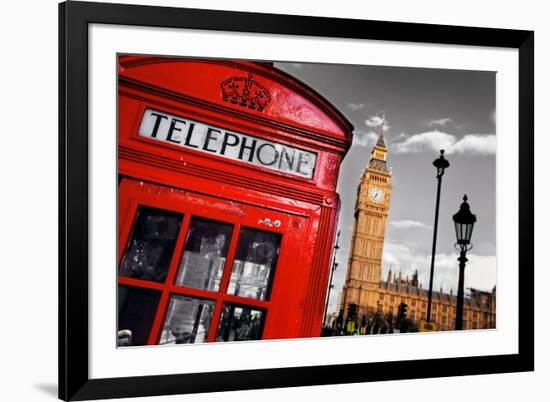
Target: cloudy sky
425	110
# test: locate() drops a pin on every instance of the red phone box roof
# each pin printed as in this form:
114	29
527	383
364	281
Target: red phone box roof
254	89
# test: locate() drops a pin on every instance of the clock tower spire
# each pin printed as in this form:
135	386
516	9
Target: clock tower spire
380	152
371	211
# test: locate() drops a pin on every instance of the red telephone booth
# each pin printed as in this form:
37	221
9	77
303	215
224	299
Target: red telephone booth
227	202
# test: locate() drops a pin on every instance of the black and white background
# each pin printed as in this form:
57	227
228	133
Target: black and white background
422	110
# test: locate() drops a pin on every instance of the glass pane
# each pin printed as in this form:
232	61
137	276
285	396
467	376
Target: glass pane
136	311
469	229
204	254
254	264
457	231
151	244
239	323
187	320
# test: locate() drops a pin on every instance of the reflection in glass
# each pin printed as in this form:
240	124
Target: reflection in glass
239	323
151	244
254	264
136	310
204	254
187	320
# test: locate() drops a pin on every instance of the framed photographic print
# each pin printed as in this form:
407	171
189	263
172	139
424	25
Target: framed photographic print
258	201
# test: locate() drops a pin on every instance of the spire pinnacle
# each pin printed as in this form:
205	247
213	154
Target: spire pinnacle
381	143
379	151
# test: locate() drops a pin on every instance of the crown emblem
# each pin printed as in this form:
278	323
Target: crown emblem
245	92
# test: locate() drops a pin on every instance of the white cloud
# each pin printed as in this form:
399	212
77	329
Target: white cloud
475	143
409	224
396	255
375	121
355	106
428	141
365	138
482	144
402	136
439	122
481	270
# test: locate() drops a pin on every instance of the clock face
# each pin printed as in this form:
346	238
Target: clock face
376	194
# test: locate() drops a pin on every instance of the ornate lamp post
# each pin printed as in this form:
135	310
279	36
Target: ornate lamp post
464	225
440	164
334	266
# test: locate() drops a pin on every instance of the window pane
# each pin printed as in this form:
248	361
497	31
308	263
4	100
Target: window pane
239	323
151	244
457	231
254	264
204	254
136	311
469	229
187	320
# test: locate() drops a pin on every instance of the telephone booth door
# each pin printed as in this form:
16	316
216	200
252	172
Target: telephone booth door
194	268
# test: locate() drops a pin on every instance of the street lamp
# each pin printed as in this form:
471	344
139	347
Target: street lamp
333	268
464	225
440	164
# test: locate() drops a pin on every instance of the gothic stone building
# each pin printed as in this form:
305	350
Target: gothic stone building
364	285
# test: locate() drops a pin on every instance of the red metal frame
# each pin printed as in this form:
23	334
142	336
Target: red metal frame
194	183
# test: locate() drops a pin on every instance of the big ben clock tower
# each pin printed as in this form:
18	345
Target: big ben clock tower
367	242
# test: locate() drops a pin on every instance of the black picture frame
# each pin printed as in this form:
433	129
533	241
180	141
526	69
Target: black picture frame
74	19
